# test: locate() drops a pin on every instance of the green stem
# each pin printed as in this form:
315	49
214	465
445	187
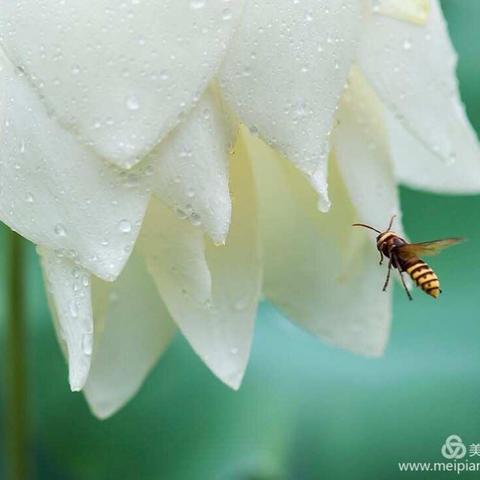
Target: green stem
16	431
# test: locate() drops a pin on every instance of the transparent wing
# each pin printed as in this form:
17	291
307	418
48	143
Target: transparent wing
427	248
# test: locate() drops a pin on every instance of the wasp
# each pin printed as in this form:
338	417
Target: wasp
405	257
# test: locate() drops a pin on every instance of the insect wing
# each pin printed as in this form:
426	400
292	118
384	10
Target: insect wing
426	248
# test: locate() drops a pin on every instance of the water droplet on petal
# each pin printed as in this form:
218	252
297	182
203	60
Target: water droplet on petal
60	230
197	4
73	307
87	343
125	226
132	102
240	304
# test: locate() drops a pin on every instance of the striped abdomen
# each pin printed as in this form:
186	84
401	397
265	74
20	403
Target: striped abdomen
424	277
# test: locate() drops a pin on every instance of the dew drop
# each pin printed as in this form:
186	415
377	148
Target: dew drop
181	213
125	226
73	307
308	16
186	152
87	341
452	158
240	304
195	219
132	102
197	4
60	230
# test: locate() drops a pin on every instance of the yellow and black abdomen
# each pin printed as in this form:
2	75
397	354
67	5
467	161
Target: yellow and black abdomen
424	277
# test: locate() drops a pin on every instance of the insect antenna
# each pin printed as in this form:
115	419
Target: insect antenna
366	226
391	223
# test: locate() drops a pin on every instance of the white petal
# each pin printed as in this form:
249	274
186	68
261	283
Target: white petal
131	332
286	69
217	318
319	271
413	70
415	11
189	170
58	194
69	289
418	167
118	74
361	148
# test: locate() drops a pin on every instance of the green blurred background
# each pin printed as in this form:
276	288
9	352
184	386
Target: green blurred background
314	413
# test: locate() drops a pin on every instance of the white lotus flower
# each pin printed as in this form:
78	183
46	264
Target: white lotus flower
118	120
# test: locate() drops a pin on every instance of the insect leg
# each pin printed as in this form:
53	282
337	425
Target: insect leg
404	284
388	274
381	257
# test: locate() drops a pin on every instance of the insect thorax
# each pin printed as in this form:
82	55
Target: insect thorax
387	241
